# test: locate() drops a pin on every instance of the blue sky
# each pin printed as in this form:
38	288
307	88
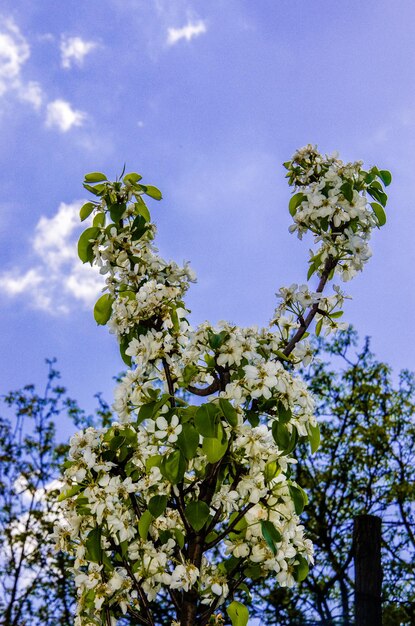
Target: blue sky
205	100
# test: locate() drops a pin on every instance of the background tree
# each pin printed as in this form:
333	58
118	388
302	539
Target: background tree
363	466
35	587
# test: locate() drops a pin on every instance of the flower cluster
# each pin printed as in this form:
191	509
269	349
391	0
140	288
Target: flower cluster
332	202
187	501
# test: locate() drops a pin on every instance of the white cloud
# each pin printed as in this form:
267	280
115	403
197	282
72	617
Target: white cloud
57	278
192	29
14	53
61	115
32	93
74	50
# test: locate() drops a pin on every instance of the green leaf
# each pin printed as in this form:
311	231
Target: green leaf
153	461
116	442
238	613
347	190
173	467
187	413
103	309
314	437
132	177
150	409
95	177
217	339
124	548
86	210
295	202
271	470
313	268
284	414
299	498
319	326
293	441
254	572
138	227
281	434
386	177
69	493
280	354
379	212
206	419
146	411
239	529
377	194
252	417
99	220
271	535
93	545
229	565
229	412
301	569
98	190
214	448
86	243
141	209
144	524
152	191
157	505
188	441
179	537
124	343
117	210
189	373
197	514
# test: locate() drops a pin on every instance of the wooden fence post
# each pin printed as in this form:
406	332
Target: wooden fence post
368	570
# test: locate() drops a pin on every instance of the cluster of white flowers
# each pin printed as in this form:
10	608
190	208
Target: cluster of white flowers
123	544
332	202
191	500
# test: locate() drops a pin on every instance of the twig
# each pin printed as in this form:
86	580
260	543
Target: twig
330	264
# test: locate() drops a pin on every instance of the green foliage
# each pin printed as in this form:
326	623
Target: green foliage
197	513
157	505
378	210
86	243
271	535
103	309
295	202
238	613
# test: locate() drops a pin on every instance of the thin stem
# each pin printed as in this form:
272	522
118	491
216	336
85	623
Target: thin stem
175	600
330	264
169	380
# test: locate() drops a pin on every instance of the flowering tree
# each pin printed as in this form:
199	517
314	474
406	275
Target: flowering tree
191	503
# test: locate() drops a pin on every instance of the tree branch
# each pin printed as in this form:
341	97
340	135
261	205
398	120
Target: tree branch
227	530
207	391
329	265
